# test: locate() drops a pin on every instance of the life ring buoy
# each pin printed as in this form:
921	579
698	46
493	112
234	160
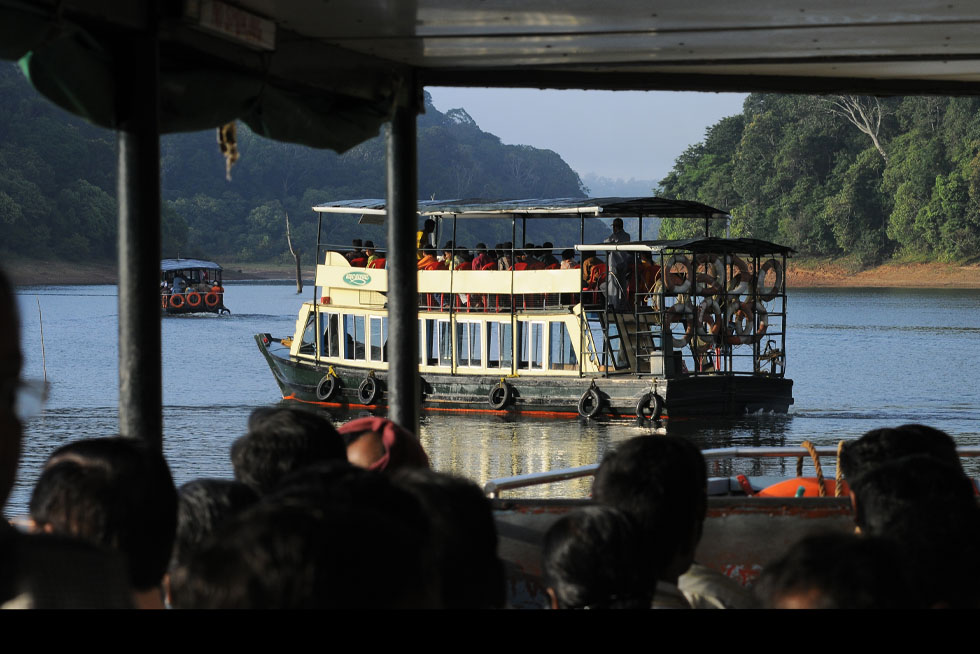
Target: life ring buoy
709	283
650	406
672	281
164	301
741	320
327	387
211	299
176	301
590	403
810	486
369	391
767	293
742	273
194	299
709	307
500	396
681	312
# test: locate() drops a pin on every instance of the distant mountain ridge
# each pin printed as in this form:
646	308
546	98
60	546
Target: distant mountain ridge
58	176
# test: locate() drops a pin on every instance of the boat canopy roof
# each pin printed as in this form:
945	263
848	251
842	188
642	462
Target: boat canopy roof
713	245
169	265
539	208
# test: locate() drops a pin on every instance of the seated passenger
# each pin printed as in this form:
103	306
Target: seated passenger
568	259
369	252
429	260
548	257
356	253
482	257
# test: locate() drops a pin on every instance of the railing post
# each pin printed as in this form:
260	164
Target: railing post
140	385
404	394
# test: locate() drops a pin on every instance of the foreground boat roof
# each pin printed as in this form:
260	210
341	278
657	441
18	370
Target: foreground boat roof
168	265
540	208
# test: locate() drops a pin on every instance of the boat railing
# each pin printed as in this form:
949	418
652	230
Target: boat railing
494	487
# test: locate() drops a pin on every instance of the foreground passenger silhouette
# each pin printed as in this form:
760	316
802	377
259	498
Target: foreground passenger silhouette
39	571
115	493
661	483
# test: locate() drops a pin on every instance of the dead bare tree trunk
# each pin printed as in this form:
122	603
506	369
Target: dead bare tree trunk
295	253
862	112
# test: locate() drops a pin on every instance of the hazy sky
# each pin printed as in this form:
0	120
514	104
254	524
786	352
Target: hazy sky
616	134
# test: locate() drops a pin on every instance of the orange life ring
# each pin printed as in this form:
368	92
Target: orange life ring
176	301
742	320
194	299
211	299
672	281
811	488
709	315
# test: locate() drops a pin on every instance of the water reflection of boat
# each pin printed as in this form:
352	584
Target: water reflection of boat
606	339
191	286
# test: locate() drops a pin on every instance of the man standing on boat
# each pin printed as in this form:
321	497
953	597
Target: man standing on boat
618	267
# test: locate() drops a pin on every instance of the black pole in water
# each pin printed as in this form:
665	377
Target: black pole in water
404	394
137	105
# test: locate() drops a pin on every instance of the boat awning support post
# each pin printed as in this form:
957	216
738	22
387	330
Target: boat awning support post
137	102
404	394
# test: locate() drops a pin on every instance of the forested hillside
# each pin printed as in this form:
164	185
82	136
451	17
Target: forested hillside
58	176
843	175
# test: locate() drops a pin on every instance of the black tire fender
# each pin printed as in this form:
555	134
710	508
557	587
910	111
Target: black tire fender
590	403
369	391
500	396
327	387
650	406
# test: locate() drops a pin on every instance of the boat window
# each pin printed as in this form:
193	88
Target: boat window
562	352
438	343
530	335
379	338
308	345
500	345
354	337
445	344
332	335
468	344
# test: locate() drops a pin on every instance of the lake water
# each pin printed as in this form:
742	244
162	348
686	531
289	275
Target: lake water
859	358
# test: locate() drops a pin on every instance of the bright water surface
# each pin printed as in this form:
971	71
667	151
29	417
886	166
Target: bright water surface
860	359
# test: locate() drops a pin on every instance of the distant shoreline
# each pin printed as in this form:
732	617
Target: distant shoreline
802	274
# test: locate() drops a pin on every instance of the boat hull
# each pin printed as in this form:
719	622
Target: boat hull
299	379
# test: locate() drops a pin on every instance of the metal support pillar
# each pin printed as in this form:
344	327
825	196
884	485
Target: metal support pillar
137	103
404	392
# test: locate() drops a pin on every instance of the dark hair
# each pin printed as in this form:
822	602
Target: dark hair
428	224
282	439
331	536
369	244
660	482
928	508
204	505
480	247
568	254
837	571
590	559
356	242
112	492
888	443
548	245
464	538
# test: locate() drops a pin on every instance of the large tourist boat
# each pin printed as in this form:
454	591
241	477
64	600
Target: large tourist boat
191	286
638	328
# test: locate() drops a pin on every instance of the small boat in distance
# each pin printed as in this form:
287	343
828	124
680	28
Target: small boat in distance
601	337
191	286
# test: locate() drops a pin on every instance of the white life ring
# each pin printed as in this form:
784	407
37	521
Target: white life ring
672	281
742	269
709	283
711	307
681	312
768	293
